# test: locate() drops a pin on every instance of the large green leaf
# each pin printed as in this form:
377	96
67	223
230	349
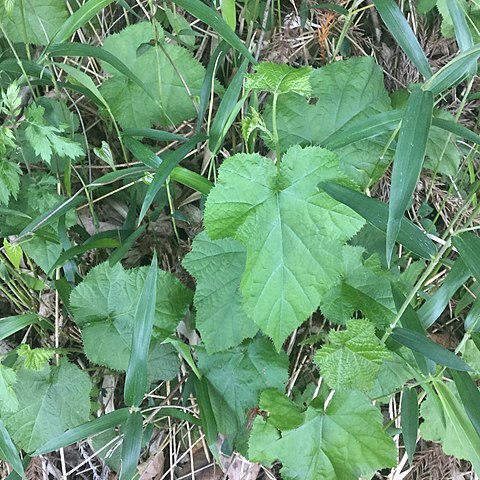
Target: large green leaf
168	71
342	442
345	92
352	358
104	307
364	286
42	20
8	397
237	376
50	401
292	232
218	266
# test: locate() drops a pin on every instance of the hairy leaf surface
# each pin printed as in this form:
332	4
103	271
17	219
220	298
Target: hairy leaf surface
218	266
344	441
292	232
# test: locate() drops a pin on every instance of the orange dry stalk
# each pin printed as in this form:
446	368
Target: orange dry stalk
327	21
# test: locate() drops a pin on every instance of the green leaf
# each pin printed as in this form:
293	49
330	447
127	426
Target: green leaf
468	246
398	26
84	431
209	16
50	401
470	396
104	308
8	398
9	180
237	376
286	225
35	358
421	344
218	266
364	287
352	358
169	72
14	253
409	411
317	448
283	414
408	161
11	325
280	78
42	20
9	453
345	93
132	444
136	379
376	213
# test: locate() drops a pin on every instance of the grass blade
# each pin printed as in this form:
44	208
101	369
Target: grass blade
169	162
472	322
132	445
456	129
398	26
191	179
461	424
421	344
120	252
453	72
136	378
363	129
435	305
11	325
468	246
9	453
227	110
408	160
209	16
462	32
153	134
78	19
470	396
409	421
376	213
93	427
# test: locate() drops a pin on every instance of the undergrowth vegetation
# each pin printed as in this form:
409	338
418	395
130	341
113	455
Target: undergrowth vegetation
228	249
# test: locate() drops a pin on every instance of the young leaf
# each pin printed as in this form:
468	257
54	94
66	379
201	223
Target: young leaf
408	161
76	434
14	253
286	226
316	449
136	378
409	420
35	358
237	376
132	445
421	344
352	358
218	266
280	78
376	213
403	34
50	401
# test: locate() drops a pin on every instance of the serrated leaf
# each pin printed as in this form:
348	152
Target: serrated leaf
9	180
237	376
352	358
218	266
8	398
35	358
345	92
104	304
50	401
42	20
286	225
364	286
170	72
344	441
14	253
282	413
280	78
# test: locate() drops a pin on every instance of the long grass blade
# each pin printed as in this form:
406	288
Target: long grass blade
456	129
468	246
93	427
421	344
121	251
201	11
9	453
132	445
11	325
398	26
376	213
136	378
462	32
470	396
408	160
409	421
159	135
